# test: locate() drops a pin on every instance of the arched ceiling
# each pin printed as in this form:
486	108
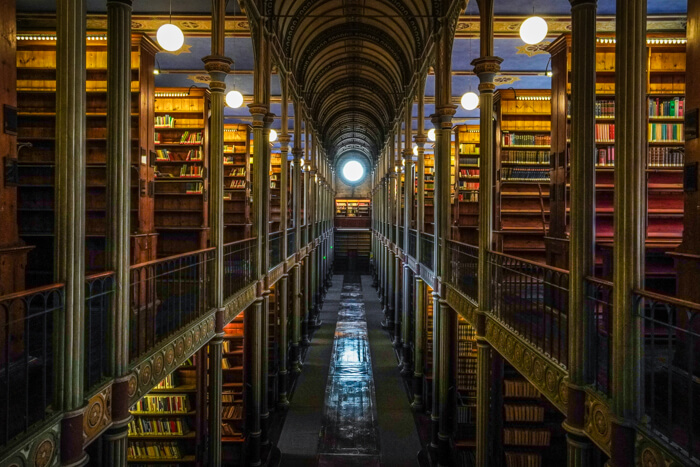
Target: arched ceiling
353	61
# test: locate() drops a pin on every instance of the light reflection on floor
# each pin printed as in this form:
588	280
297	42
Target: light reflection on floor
349	435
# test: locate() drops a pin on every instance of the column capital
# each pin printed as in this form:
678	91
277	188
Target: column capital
582	3
443	116
486	68
268	119
420	141
218	67
297	153
258	111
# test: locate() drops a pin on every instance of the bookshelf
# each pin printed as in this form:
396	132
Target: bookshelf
466	147
273	339
237	182
428	346
523	138
664	157
232	401
466	384
275	191
180	192
429	187
352	212
36	101
164	427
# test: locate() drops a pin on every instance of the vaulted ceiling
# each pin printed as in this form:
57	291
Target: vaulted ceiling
353	61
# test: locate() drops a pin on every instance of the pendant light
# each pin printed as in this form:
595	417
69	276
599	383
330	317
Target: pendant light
415	150
534	29
273	136
169	36
234	99
431	134
470	100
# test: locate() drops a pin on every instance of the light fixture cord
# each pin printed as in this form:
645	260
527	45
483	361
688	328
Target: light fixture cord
171	11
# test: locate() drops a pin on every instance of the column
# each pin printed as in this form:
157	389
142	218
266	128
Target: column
630	208
582	238
214	389
296	270
398	269
419	352
284	139
70	224
252	328
118	239
305	301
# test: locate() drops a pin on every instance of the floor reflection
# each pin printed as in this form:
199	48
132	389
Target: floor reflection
349	435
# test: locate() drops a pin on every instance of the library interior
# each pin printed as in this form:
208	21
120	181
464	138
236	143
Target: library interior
350	233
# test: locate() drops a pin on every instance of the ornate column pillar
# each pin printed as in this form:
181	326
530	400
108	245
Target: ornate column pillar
69	327
408	213
305	298
218	66
419	352
284	139
486	67
398	269
296	270
118	257
629	221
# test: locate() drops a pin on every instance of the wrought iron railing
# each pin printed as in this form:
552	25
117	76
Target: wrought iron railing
166	294
426	251
239	265
671	368
412	243
275	242
464	263
599	296
400	239
99	291
291	241
532	299
27	357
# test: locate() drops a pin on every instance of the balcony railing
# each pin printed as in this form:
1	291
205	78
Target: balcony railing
671	368
166	294
412	243
464	263
27	357
400	239
599	296
275	241
239	265
99	291
532	299
426	251
291	241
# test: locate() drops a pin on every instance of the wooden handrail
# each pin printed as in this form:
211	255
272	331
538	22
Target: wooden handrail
670	300
599	281
239	241
462	244
532	263
36	290
99	275
170	258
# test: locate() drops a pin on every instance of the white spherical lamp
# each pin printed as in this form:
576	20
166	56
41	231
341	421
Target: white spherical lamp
170	37
431	134
533	30
415	150
470	100
234	99
273	136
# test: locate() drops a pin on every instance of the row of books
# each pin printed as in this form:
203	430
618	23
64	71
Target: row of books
466	363
659	107
469	161
524	413
468	172
605	132
163	404
466	346
237	184
526	437
232	412
466	414
520	174
466	334
468	148
194	188
469	197
515	388
230	397
466	381
523	459
191	138
234	149
465	186
525	157
666	157
166	383
605	108
150	450
517	139
164	121
167	156
605	156
666	132
239	172
228	430
140	426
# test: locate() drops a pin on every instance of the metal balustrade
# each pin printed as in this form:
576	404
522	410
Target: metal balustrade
464	264
599	296
291	242
239	265
671	368
167	294
427	242
532	299
400	239
412	243
99	295
27	321
275	242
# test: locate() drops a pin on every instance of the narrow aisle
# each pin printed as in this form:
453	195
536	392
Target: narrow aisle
350	407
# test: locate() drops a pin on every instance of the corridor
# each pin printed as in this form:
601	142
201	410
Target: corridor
349	406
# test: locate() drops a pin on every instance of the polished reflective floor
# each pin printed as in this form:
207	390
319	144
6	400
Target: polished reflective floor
350	420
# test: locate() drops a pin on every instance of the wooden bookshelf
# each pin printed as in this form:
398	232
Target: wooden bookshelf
429	186
664	157
523	137
275	191
164	427
36	97
237	152
467	162
428	348
232	400
181	216
352	212
466	384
